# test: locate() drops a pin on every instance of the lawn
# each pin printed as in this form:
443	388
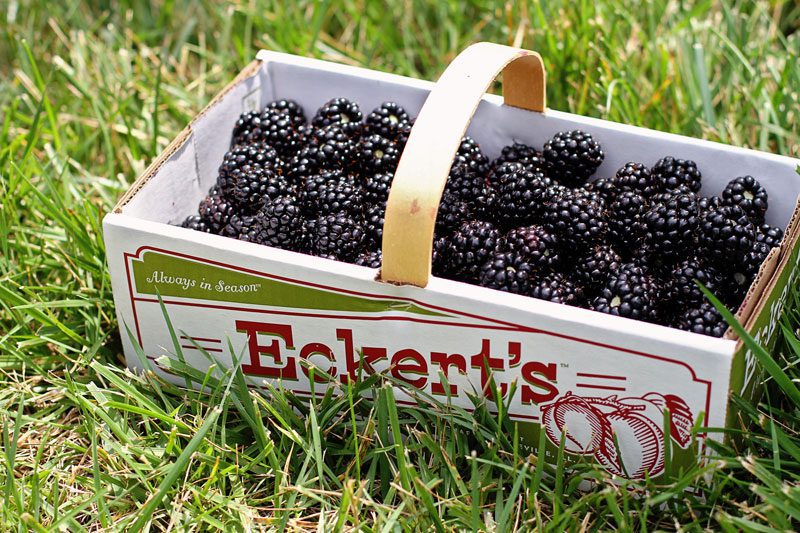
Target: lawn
91	92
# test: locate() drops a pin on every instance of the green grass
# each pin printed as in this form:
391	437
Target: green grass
89	95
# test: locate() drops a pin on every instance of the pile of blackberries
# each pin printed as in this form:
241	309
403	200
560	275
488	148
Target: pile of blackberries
531	222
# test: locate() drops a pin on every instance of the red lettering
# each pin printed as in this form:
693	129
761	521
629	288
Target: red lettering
541	376
445	361
371	355
317	348
486	363
351	364
253	329
417	365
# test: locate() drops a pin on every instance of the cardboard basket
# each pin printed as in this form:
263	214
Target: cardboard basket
585	377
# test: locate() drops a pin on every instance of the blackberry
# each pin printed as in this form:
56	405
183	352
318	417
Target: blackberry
681	290
388	120
342	113
534	245
573	157
238	225
453	211
376	188
605	187
704	203
725	234
328	148
596	266
742	274
331	191
631	293
337	236
575	218
279	223
215	210
635	177
528	156
704	319
250	187
625	219
280	128
769	235
469	153
470	186
520	194
748	194
196	223
372	259
554	287
508	272
440	257
470	247
373	226
670	226
290	107
377	154
670	173
253	155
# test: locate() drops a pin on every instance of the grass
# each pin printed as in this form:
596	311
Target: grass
90	92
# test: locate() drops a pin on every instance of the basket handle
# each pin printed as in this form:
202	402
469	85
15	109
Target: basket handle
425	163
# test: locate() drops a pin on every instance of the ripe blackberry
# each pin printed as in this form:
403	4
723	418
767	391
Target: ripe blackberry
440	257
373	226
337	236
250	187
769	235
470	247
575	218
670	173
681	290
534	245
240	156
215	210
376	188
388	120
372	259
377	154
328	148
331	191
469	153
740	275
290	107
279	127
508	272
631	293
705	203
747	193
703	319
725	234
554	287
196	223
625	219
471	186
635	177
573	157
529	156
594	267
342	113
237	225
669	227
453	211
279	223
520	194
605	187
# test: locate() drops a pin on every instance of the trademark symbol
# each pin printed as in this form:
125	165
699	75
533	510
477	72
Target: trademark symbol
564	365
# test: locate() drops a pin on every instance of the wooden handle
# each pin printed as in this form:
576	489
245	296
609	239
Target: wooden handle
425	164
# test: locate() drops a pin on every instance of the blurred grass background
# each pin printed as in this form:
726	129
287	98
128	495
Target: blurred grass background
90	92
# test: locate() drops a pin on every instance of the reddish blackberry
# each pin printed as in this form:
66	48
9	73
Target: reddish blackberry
331	191
372	259
470	247
534	245
703	319
388	120
215	210
605	187
508	272
520	194
670	226
725	234
554	287
250	187
378	154
328	148
196	223
635	177
453	211
670	173
529	156
279	223
342	113
373	226
376	188
769	235
337	236
593	268
573	157
469	153
625	219
575	218
681	290
631	293
278	127
747	193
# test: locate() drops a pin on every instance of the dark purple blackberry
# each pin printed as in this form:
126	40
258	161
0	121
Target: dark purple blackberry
376	188
529	156
290	107
725	234
196	223
250	187
472	187
769	235
605	187
575	218
635	177
625	220
279	128
327	148
372	259
342	113
215	210
440	257
469	153
378	154
337	236
745	271
593	268
670	173
373	226
332	191
631	293
253	155
555	287
508	272
470	247
279	223
534	245
453	211
388	120
703	319
238	225
669	227
573	157
748	194
704	203
681	290
520	194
